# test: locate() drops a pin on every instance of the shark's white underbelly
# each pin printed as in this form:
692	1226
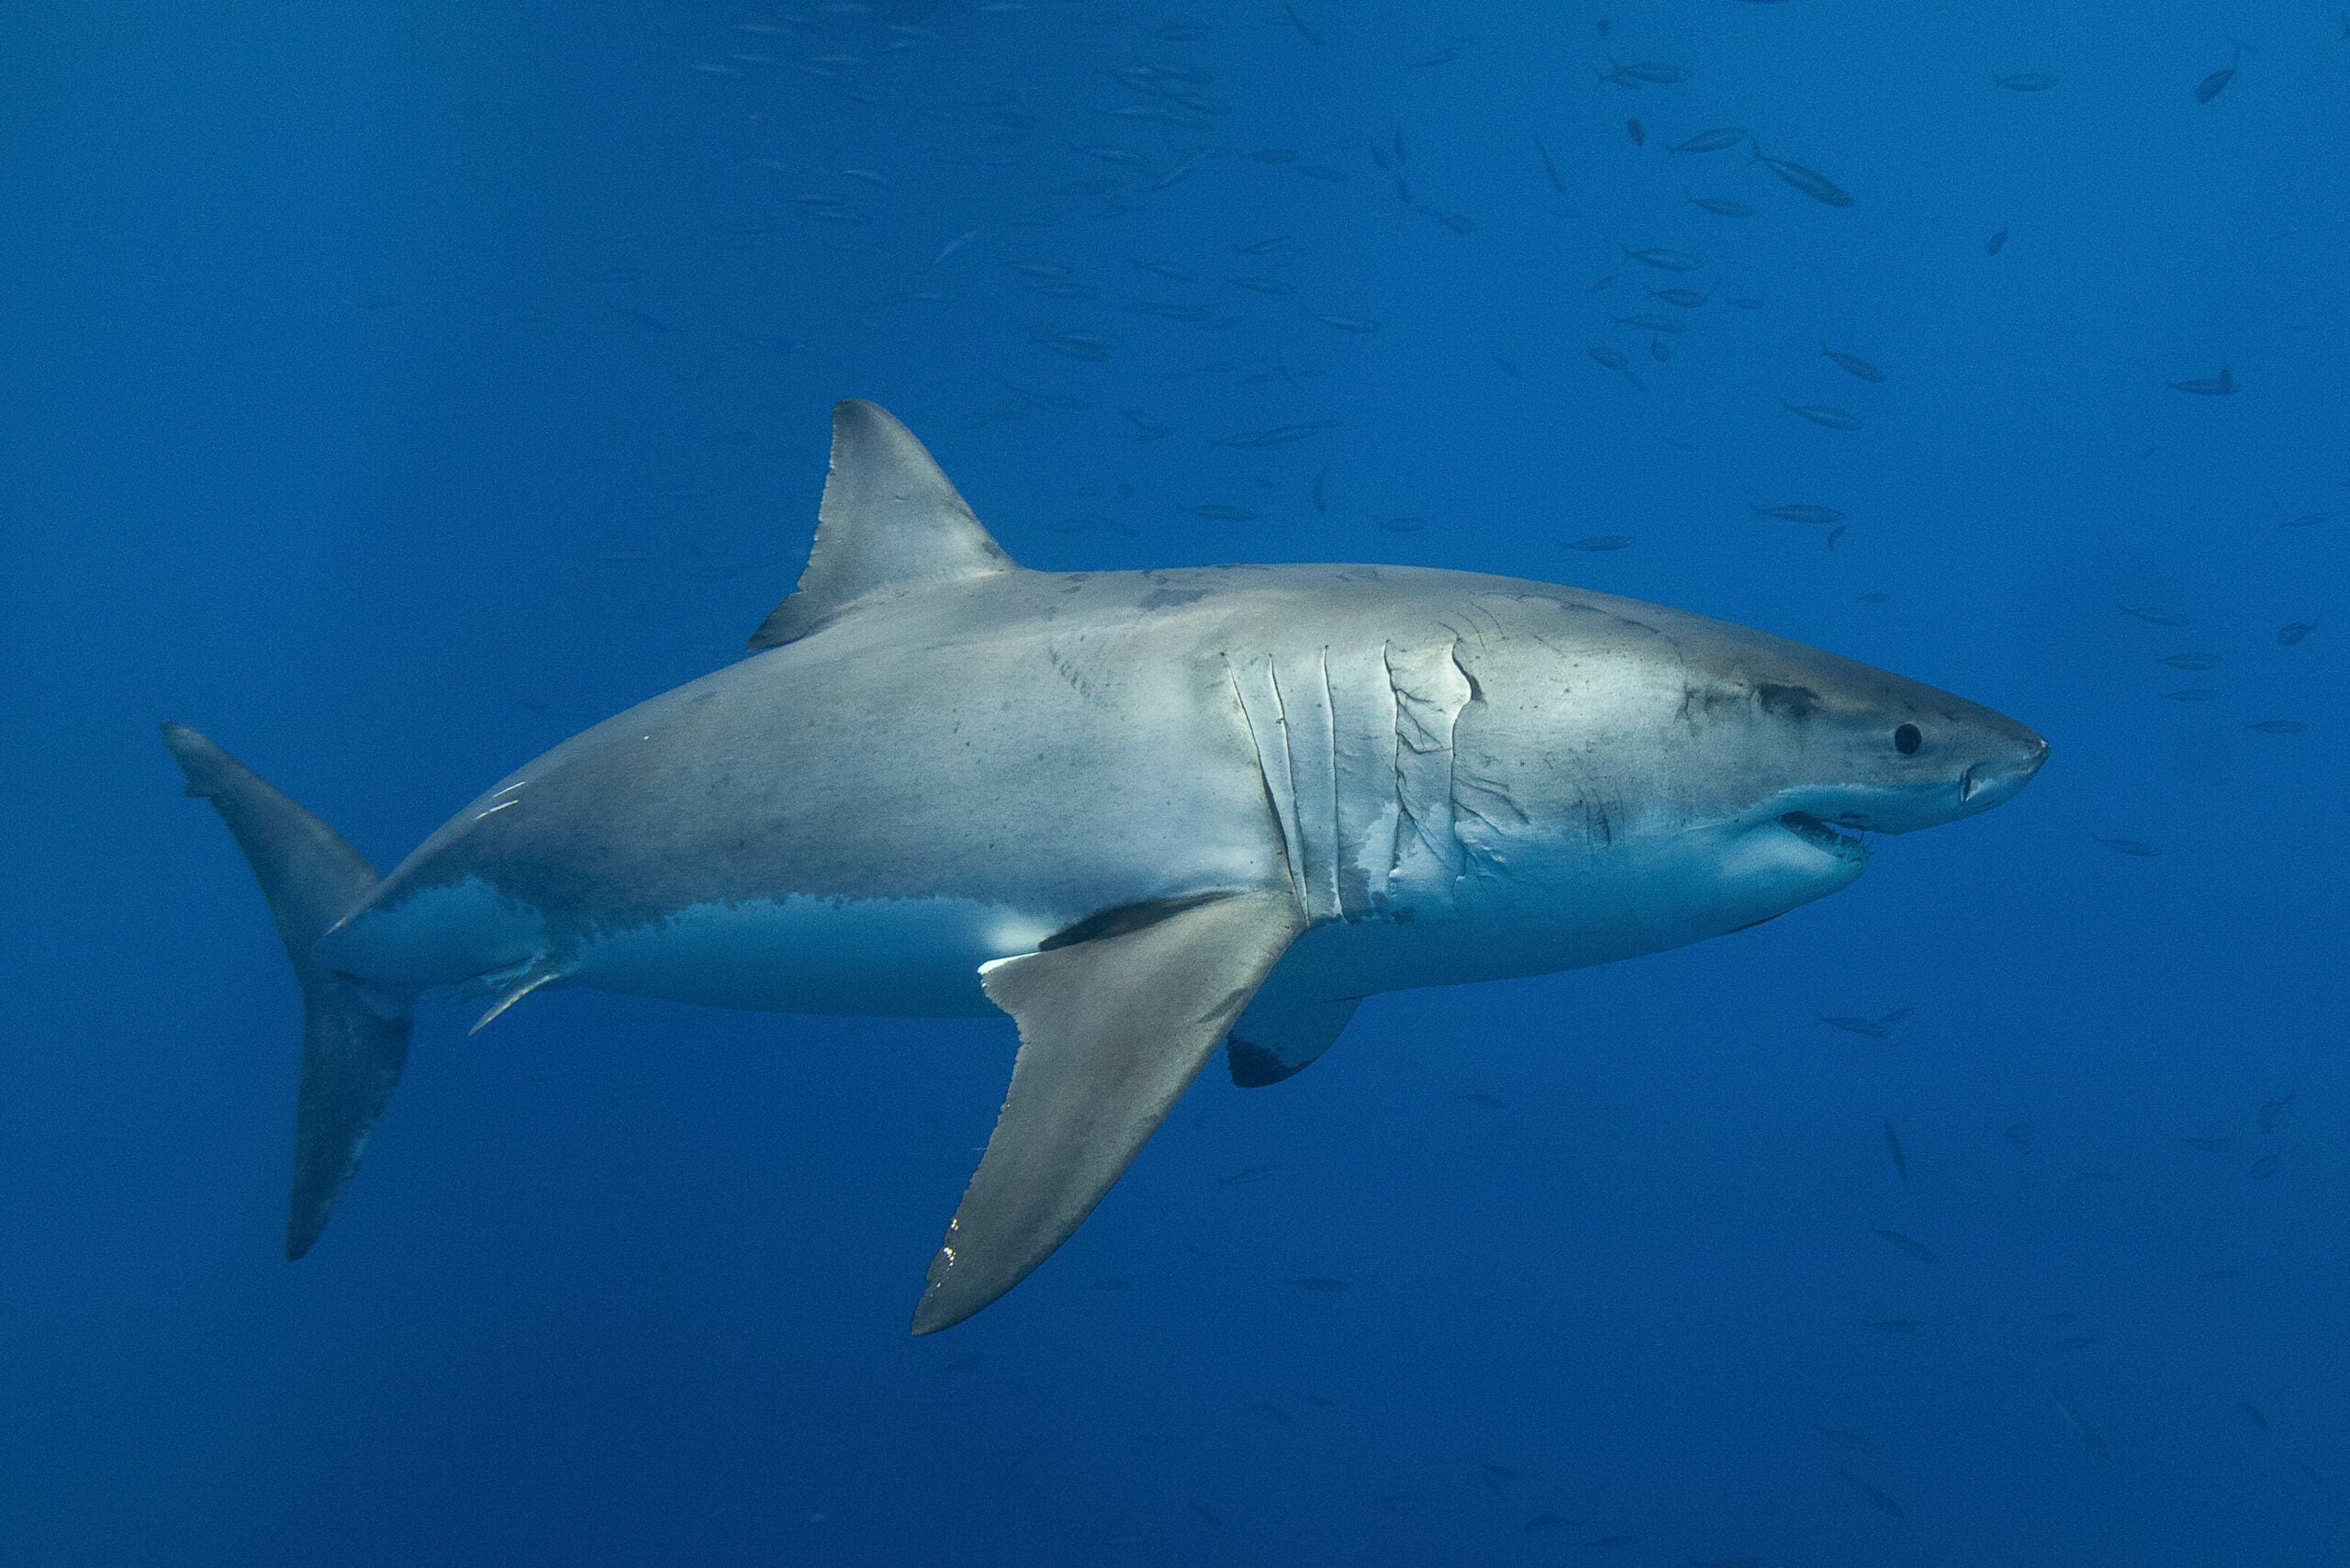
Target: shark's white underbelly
887	957
922	956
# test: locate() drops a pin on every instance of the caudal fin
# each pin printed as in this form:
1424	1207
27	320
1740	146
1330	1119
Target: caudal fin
350	1057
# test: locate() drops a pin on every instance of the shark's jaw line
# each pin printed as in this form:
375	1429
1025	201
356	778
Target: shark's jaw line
1845	844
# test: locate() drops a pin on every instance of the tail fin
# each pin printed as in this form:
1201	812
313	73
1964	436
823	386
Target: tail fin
351	1057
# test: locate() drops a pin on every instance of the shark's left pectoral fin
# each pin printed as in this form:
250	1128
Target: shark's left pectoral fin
1111	1032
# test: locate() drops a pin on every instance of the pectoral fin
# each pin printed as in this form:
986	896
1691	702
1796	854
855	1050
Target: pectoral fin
1111	1032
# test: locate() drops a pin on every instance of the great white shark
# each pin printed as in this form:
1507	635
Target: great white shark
1144	813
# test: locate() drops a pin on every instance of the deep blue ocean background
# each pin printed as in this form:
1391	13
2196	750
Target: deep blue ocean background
395	389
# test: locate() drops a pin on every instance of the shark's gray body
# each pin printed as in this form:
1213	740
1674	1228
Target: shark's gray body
1143	812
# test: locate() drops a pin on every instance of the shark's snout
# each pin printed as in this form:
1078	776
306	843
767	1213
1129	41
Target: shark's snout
1996	778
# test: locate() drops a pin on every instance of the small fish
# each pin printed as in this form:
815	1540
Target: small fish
1303	30
2020	1135
1722	206
1852	364
1652	322
1651	73
1403	524
1206	1515
1347	323
1711	140
2193	694
1111	1283
1614	1543
2135	848
644	318
1250	1173
1550	169
2088	1434
2209	1144
1662	259
1909	1243
1633	128
2279	726
1834	534
2310	521
2270	1112
1810	182
1596	543
1487	1101
2265	1167
1180	32
1319	1286
1659	350
1322	489
1612	359
2208	88
1274	155
1823	414
2218	385
1900	1160
1992	246
1501	1472
1117	155
1549	1524
1175	174
1164	269
1279	435
2252	1413
2025	82
1076	345
1215	512
1850	1442
1895	1325
1684	298
1798	511
1876	1497
1603	282
1144	428
1879	1027
2193	662
2153	615
2291	632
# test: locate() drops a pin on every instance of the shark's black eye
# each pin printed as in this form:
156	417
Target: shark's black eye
1907	740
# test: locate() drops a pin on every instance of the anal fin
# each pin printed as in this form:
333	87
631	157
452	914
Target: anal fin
1112	1030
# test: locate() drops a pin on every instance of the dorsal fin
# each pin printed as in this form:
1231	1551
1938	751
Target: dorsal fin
891	524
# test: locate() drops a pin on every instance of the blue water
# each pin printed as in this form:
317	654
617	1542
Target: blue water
394	390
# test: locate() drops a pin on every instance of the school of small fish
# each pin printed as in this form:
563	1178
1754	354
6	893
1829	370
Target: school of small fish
1668	301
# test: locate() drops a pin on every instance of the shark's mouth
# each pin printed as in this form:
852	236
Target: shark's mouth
1845	844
